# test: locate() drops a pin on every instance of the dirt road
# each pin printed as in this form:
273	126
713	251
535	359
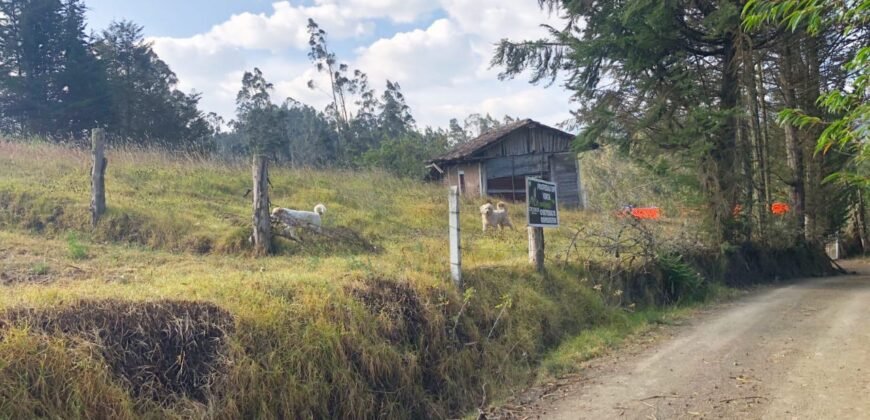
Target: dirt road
795	352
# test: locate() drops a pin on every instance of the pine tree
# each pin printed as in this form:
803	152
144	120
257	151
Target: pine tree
32	60
85	97
654	75
148	108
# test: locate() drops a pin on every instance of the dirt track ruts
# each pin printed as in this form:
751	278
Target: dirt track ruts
800	351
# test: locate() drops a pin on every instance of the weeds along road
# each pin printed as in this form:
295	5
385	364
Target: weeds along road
800	351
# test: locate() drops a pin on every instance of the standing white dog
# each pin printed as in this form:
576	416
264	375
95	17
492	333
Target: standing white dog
493	216
294	219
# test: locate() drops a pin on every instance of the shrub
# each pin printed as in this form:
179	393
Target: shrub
681	282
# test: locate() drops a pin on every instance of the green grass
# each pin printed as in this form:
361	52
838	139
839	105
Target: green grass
568	357
77	250
329	328
599	340
40	269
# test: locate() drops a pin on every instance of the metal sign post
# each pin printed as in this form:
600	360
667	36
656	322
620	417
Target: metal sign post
542	212
455	252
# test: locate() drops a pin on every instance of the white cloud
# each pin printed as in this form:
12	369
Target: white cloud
443	67
492	20
444	71
404	11
435	56
286	27
296	87
436	107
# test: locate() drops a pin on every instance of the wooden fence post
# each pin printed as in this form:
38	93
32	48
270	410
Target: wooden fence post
98	175
262	219
536	247
455	242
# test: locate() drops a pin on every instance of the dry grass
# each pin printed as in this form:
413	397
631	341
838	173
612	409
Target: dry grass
364	326
159	349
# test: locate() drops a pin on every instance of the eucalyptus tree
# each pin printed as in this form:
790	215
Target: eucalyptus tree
258	121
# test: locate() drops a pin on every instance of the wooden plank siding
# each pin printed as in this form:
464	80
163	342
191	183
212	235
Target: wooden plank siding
472	177
517	165
505	181
506	176
528	141
564	173
499	167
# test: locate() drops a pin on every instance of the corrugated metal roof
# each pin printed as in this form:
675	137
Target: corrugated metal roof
465	150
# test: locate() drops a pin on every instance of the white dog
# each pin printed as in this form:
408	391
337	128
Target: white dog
291	220
493	216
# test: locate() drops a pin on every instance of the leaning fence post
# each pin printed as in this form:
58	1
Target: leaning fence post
455	246
98	176
262	220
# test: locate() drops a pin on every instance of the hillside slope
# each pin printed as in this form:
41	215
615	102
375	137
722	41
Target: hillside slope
161	311
360	323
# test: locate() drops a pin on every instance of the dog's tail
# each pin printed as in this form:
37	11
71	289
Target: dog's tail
501	205
320	209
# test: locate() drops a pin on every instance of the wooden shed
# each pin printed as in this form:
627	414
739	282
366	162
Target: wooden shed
498	162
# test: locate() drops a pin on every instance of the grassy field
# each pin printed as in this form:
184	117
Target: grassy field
160	311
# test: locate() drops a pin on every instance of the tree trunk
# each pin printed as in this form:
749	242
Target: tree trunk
765	135
262	236
98	176
815	206
861	221
744	143
721	172
793	147
760	193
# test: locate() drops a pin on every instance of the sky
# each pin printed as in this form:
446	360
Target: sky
437	50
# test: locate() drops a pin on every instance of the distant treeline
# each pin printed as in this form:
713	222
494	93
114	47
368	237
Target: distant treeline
57	82
360	127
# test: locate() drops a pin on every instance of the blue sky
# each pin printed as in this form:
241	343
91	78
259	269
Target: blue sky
438	50
188	17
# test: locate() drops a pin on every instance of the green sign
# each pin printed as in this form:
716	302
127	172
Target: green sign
543	208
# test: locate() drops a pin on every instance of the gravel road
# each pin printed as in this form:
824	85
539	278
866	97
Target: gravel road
800	351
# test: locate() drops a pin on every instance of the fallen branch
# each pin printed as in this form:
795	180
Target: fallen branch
840	268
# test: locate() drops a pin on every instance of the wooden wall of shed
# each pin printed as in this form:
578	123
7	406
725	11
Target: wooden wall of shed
539	152
526	142
564	172
473	177
506	176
